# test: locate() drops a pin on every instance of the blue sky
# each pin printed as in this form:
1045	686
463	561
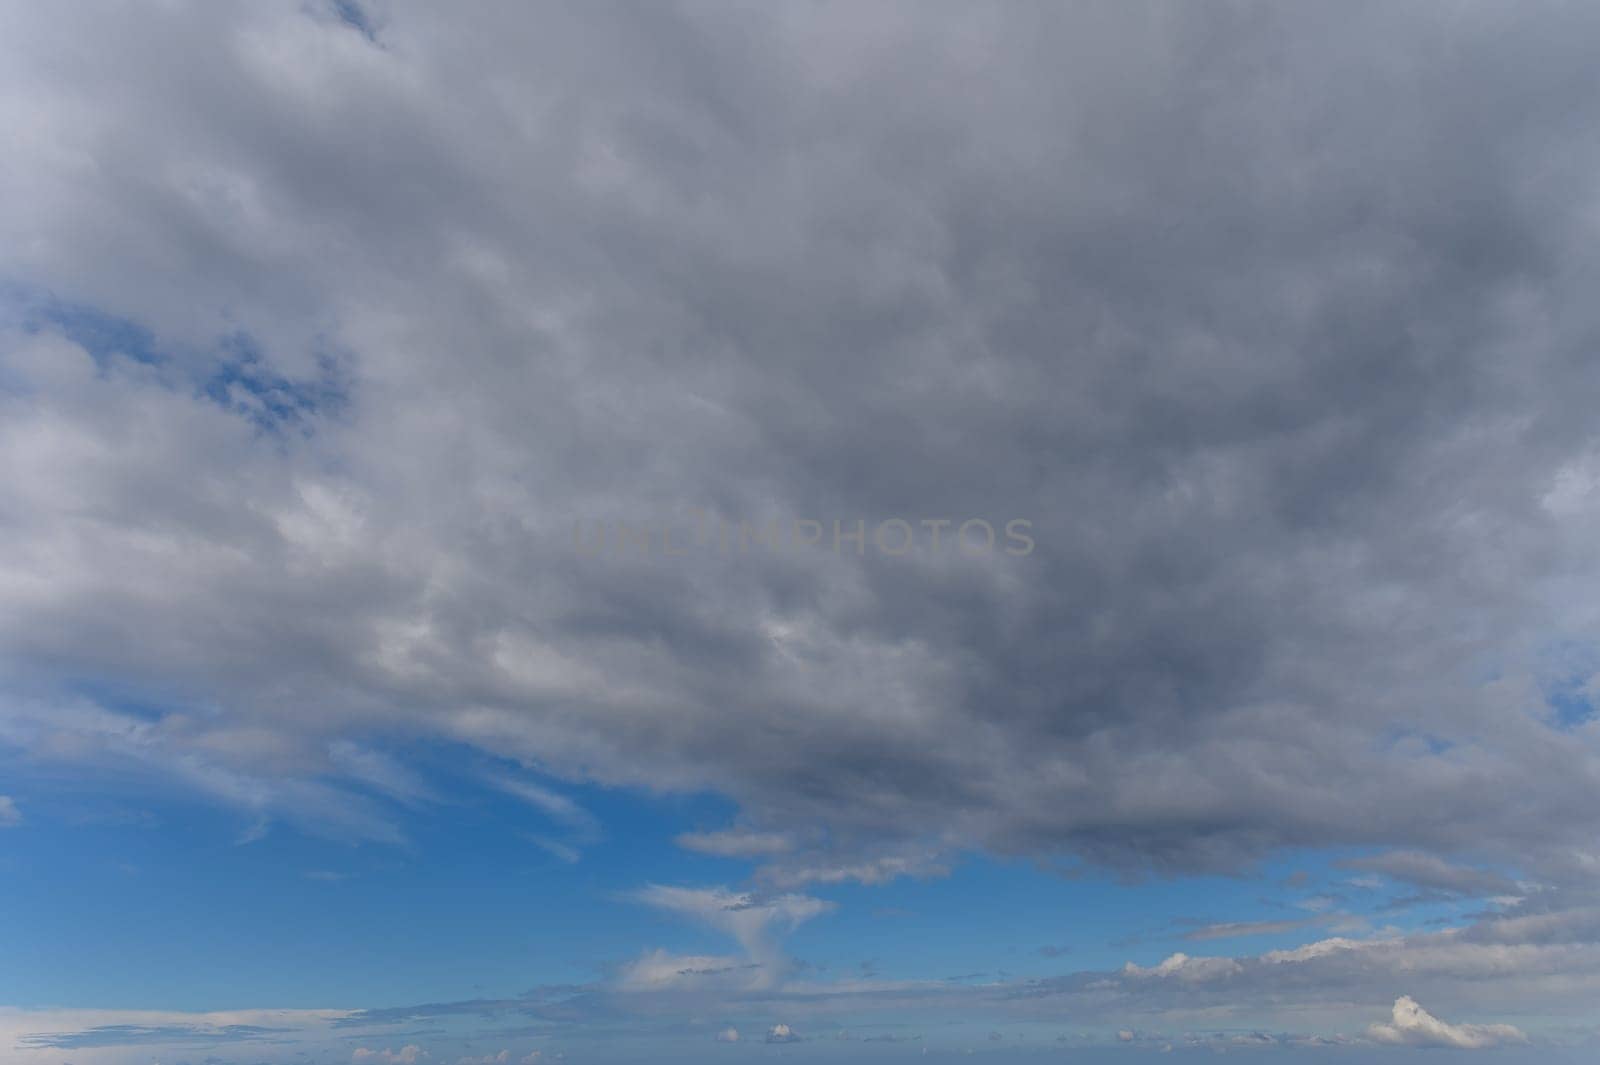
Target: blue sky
611	532
473	904
487	913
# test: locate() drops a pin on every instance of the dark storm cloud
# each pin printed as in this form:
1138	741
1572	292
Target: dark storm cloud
1274	321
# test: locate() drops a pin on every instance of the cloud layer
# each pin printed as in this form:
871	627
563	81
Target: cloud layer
1289	383
324	327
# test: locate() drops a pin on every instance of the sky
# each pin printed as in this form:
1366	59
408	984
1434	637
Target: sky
828	532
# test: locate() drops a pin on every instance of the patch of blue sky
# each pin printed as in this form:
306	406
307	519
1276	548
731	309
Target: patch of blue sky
1568	676
355	16
103	335
234	373
158	914
242	382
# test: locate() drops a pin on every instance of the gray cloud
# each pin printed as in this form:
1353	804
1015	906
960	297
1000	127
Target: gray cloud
1276	322
1434	873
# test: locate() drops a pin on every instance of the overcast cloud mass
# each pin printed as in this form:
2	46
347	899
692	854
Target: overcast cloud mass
325	327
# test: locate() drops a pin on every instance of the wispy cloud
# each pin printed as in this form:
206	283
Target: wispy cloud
559	808
737	843
1241	929
757	923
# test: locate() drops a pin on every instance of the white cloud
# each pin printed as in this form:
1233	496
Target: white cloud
556	806
728	1035
659	970
736	843
876	870
756	922
562	852
1182	967
745	915
410	1054
380	772
1320	948
134	1037
1411	1025
782	1033
10	816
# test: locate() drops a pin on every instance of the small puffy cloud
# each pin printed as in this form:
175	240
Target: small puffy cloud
1411	1025
728	1035
10	816
1182	967
1125	1036
532	1057
782	1033
409	1054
